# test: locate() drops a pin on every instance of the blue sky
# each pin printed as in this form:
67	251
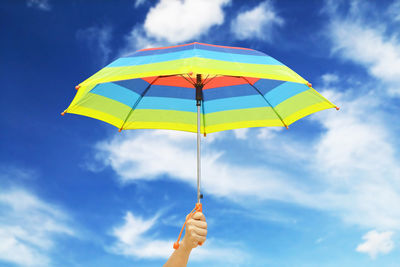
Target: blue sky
75	192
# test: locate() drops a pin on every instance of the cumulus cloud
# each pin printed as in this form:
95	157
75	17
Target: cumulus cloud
39	4
179	21
258	22
170	22
152	159
341	172
28	226
132	240
376	243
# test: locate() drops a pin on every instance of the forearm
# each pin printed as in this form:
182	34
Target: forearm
180	257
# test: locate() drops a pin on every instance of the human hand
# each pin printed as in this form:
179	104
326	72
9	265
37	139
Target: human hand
196	231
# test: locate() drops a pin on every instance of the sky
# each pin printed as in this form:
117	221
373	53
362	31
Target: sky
75	192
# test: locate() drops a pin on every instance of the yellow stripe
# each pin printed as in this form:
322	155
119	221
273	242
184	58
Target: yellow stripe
161	125
307	111
209	129
195	65
242	124
96	114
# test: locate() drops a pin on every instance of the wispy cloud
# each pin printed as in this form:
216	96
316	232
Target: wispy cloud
28	226
258	22
342	173
371	45
98	38
376	243
132	240
139	3
39	4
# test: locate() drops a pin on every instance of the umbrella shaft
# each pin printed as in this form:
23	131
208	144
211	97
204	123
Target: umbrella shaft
198	154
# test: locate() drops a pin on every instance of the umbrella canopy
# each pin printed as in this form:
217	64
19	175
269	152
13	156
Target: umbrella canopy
156	88
199	88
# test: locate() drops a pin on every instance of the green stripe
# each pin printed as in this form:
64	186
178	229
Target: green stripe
249	114
298	102
105	105
159	115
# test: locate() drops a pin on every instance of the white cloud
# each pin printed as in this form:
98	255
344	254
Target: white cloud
394	10
241	133
138	39
349	160
28	226
40	4
139	3
376	243
152	159
329	78
370	46
132	240
268	133
98	38
174	21
179	21
258	22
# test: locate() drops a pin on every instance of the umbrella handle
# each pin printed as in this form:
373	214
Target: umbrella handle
198	208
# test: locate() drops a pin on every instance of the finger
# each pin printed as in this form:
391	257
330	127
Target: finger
197	223
200	231
199	216
198	238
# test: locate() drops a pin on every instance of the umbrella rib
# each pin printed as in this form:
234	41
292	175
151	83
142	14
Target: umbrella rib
212	78
191	81
138	100
276	113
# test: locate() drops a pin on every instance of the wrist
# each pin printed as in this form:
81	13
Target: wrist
185	246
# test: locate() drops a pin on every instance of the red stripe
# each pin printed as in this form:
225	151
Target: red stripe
165	47
227	81
178	81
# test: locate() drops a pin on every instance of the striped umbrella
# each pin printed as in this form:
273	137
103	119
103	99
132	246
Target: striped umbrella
199	88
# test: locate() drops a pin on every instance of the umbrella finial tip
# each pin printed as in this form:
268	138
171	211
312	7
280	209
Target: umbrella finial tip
77	87
309	84
176	245
120	130
337	108
63	113
287	127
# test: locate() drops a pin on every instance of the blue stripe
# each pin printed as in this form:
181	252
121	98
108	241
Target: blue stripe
230	50
135	85
170	91
251	59
167	103
116	92
215	99
284	91
266	85
228	91
251	101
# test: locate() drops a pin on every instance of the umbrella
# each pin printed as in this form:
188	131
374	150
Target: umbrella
196	87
